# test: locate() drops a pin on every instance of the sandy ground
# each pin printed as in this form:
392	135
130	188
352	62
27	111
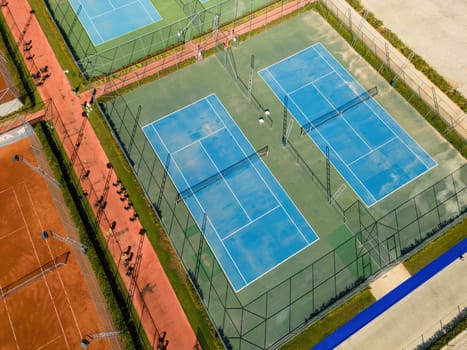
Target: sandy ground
389	281
434	29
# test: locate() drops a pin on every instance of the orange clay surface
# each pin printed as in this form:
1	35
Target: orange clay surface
54	311
157	300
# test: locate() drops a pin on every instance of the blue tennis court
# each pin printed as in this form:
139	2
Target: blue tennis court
367	147
105	20
247	218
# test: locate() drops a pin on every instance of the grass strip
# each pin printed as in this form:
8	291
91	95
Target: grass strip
436	248
168	258
29	95
333	320
410	96
417	60
113	289
443	342
344	313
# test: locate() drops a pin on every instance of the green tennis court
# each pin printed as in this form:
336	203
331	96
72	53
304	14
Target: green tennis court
106	35
352	245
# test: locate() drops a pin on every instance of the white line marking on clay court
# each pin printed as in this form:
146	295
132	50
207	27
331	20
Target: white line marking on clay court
10	320
45	280
52	256
49	342
11	233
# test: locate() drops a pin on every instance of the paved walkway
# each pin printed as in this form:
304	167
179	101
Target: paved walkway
190	49
432	29
435	29
419	313
159	295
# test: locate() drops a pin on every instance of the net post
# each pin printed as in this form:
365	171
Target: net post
135	127
284	122
200	246
328	174
250	77
164	179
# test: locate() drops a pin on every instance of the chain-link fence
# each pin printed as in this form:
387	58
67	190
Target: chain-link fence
71	231
198	20
9	29
266	321
400	65
101	223
181	55
438	328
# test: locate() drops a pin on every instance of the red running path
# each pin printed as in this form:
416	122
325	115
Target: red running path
159	295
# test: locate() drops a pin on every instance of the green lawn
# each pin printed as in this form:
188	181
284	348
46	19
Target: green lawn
336	318
436	248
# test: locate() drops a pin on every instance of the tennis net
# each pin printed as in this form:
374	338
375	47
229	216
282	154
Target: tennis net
339	110
221	174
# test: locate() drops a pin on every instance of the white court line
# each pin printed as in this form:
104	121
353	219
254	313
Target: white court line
202	208
198	140
10	320
310	83
252	221
7	189
389	115
83	8
115	9
177	110
111	3
226	183
43	276
342	117
288	57
340	158
227	251
11	233
145	10
327	143
265	182
58	270
371	151
48	343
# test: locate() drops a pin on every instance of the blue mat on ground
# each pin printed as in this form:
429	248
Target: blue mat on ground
390	299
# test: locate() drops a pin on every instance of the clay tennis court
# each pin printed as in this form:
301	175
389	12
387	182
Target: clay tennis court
38	309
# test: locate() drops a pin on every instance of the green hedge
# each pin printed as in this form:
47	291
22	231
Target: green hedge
29	95
168	258
439	124
124	316
333	320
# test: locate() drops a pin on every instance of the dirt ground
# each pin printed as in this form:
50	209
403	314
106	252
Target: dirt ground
434	29
54	311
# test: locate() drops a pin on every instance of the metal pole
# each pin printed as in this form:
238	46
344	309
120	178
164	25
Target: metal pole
284	122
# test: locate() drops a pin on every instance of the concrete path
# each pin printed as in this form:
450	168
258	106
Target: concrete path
154	296
419	313
434	29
